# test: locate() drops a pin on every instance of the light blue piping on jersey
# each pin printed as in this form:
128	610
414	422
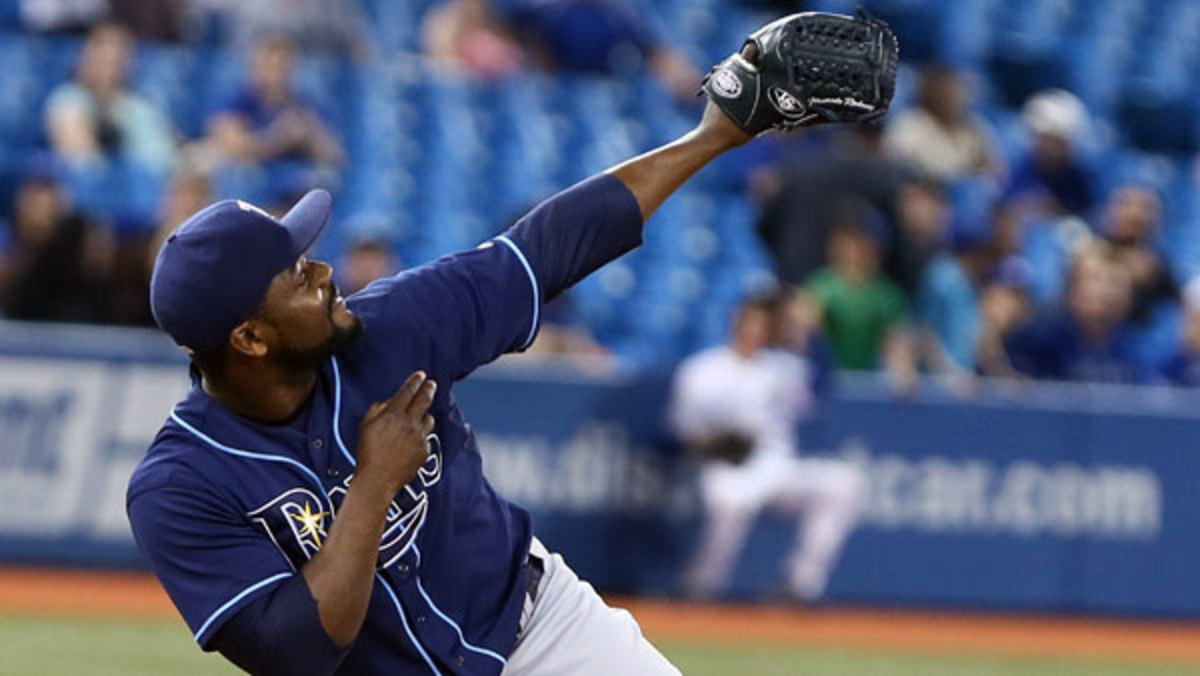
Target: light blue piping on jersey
437	611
404	621
255	456
537	300
230	603
320	489
337	398
337	411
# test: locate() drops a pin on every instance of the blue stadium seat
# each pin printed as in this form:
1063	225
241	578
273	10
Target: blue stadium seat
164	75
1046	247
20	93
447	162
10	14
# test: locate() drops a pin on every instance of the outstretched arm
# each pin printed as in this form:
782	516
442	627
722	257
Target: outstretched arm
580	229
653	176
490	299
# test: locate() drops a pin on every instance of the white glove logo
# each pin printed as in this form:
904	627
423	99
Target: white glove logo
726	84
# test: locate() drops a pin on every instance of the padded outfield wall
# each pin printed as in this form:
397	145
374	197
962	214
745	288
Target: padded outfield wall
1051	497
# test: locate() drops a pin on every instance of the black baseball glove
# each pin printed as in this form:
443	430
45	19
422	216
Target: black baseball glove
806	69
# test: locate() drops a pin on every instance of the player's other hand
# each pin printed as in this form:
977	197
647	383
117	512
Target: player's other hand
393	440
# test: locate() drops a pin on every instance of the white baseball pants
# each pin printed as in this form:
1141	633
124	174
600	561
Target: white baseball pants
569	631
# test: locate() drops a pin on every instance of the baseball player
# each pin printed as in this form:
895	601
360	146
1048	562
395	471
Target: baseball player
316	503
737	406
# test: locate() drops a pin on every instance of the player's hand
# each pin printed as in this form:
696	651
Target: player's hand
393	440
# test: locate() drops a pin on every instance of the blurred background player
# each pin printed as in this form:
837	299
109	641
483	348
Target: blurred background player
736	407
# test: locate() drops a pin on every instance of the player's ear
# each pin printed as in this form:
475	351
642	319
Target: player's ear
248	339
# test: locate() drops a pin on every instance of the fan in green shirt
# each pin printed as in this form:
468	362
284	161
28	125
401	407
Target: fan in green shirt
861	309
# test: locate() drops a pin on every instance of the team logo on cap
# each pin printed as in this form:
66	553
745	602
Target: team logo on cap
725	83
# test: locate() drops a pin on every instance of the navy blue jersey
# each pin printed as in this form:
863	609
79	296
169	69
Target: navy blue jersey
227	510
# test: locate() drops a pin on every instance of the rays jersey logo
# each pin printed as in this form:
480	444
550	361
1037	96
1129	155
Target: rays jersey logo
298	522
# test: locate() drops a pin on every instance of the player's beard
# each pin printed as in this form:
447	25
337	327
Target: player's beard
303	358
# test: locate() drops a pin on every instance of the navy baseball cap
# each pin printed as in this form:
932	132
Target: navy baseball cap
212	273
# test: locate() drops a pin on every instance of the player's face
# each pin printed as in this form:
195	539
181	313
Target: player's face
307	314
752	331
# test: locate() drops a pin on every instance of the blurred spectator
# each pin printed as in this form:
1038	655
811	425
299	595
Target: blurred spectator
1131	225
922	218
62	16
1183	367
600	36
1008	230
736	407
948	301
159	21
564	335
58	265
96	118
267	120
338	28
1093	340
1004	307
798	330
128	299
861	310
799	201
1050	180
466	35
365	260
187	193
941	137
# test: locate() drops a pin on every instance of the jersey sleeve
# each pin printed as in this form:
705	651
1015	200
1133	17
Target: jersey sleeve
464	310
457	313
572	234
208	557
280	633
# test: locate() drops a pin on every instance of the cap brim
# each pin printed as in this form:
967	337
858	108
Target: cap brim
306	220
